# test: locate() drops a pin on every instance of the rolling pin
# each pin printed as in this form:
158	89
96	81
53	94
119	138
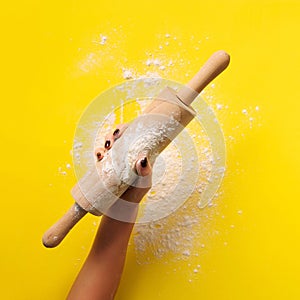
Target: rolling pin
148	134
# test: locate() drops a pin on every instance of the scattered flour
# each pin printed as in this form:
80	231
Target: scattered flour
178	233
184	234
103	39
127	74
61	171
186	252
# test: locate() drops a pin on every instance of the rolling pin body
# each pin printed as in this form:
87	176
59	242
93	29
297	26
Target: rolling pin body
148	134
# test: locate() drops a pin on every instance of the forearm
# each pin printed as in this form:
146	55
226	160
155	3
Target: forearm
100	276
101	273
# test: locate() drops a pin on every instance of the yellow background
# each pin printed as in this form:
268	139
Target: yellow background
44	92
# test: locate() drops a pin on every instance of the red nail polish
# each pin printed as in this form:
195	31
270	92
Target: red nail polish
116	132
144	162
99	156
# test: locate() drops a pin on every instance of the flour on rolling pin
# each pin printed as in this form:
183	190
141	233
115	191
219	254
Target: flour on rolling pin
149	134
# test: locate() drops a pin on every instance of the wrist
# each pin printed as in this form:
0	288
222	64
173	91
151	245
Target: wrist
123	210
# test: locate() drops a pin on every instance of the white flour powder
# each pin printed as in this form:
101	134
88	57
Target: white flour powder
186	232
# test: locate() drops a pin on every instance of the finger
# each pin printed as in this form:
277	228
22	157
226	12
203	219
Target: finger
120	128
111	138
108	141
100	152
143	167
142	184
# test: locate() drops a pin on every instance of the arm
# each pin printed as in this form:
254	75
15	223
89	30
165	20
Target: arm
100	275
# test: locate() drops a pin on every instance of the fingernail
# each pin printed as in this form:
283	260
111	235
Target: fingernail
99	156
116	131
144	162
107	144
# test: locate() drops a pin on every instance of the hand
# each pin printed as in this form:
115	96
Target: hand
143	167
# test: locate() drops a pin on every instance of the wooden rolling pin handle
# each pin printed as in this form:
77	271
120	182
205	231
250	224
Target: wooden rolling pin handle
60	229
215	65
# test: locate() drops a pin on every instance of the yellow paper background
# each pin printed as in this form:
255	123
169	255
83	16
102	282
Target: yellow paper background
44	92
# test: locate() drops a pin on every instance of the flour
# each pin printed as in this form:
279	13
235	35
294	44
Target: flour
219	106
187	232
177	232
103	39
127	74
